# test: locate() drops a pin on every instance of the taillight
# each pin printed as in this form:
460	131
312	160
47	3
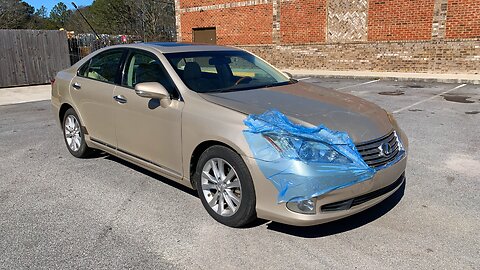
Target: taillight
52	81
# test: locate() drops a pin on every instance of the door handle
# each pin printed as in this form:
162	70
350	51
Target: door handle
76	85
120	99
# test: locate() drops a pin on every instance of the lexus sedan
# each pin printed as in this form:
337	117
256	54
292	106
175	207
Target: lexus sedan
251	140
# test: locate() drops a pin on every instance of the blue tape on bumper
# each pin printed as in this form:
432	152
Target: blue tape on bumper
303	162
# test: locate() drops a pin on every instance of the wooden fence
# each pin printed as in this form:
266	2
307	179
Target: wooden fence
31	56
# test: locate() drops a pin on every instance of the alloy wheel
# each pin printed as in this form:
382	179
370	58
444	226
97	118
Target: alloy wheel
221	187
72	133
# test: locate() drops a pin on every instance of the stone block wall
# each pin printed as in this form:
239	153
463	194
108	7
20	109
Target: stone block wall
436	36
347	20
432	57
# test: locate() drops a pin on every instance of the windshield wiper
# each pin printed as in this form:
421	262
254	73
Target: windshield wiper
246	87
280	83
231	89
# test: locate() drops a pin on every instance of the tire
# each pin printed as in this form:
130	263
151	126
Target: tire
239	208
73	135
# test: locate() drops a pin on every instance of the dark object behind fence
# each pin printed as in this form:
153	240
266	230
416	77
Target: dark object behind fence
32	56
80	45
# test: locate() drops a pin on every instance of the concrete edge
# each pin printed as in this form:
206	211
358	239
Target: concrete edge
442	78
24	94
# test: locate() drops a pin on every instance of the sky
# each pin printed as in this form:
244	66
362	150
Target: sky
49	4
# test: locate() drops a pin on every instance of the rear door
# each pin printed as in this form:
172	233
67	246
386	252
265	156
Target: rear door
144	129
92	91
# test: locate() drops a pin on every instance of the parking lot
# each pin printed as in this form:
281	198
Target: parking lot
59	212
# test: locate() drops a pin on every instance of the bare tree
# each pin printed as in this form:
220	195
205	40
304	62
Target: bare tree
14	14
151	19
156	18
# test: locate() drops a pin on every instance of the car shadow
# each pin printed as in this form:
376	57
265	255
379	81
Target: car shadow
345	224
322	230
100	154
149	173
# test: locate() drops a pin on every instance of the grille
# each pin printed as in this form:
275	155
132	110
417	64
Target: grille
381	151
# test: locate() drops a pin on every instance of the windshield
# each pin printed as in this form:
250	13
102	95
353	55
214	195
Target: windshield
219	71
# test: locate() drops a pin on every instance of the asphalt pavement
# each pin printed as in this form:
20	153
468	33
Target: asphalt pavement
59	212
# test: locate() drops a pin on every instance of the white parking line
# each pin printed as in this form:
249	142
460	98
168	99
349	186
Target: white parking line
355	85
306	78
427	99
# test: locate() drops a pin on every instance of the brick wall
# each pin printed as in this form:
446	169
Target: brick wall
303	21
440	36
400	19
233	26
200	3
463	19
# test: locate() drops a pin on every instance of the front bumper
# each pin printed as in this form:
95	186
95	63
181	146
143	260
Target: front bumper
268	208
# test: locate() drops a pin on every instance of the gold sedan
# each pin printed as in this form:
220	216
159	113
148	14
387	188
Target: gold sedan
251	140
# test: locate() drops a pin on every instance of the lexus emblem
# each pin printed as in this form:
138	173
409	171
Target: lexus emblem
385	149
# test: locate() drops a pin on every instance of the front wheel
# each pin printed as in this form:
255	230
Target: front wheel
225	186
73	135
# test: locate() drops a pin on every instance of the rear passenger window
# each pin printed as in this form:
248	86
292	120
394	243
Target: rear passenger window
102	67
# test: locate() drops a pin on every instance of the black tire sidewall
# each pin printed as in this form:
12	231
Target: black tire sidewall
246	212
83	150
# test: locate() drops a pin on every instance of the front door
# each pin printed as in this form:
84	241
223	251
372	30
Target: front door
144	129
92	90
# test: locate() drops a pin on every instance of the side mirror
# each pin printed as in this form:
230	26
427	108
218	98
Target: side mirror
290	76
154	90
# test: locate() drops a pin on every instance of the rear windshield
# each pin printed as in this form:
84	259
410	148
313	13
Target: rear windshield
218	71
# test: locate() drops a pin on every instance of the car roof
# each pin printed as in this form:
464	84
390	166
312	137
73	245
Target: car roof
175	47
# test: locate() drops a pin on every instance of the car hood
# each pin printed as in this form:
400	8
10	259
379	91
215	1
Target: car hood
308	104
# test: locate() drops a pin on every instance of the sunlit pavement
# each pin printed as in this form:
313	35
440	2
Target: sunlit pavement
60	212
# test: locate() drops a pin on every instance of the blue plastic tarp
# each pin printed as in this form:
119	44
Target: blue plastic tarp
303	162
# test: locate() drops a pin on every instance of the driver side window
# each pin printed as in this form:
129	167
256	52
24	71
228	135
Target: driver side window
143	67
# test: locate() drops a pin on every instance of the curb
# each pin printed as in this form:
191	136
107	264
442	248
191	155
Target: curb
24	94
389	78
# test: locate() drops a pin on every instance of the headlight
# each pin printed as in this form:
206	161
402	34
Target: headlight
308	151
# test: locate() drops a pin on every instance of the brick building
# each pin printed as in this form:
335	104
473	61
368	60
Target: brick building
440	36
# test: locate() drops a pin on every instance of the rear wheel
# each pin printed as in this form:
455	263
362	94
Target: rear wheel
225	186
73	135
